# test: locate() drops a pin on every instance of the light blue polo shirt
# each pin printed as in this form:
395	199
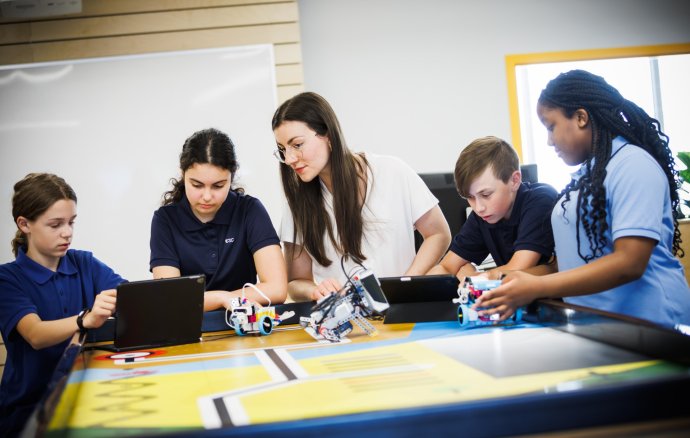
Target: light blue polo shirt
27	287
637	204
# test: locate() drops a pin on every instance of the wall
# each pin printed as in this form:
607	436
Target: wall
421	79
125	27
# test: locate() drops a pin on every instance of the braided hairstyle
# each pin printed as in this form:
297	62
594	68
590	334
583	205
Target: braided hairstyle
208	146
610	115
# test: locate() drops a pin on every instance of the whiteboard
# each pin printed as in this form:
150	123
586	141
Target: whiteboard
114	128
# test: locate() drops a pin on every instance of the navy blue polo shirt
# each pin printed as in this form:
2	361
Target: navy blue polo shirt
222	249
27	287
529	228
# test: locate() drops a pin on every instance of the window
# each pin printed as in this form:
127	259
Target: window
655	78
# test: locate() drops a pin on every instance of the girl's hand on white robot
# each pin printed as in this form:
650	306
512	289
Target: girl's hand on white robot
325	288
517	289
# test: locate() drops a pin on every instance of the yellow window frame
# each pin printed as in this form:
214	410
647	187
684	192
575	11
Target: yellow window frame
512	61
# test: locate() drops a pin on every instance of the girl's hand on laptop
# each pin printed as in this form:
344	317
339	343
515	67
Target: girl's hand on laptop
103	308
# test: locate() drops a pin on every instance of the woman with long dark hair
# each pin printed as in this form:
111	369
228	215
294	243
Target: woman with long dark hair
361	208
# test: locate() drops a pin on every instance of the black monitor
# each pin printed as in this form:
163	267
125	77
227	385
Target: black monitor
453	207
529	173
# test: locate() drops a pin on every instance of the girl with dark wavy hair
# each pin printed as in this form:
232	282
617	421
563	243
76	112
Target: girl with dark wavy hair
361	208
47	293
615	224
209	226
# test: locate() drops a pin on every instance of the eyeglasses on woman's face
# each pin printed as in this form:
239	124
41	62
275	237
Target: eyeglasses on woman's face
295	139
281	153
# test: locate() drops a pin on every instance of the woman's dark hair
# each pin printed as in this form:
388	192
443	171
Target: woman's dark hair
305	199
33	195
209	146
610	115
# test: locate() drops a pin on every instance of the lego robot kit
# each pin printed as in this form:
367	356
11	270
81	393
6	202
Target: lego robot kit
245	316
332	316
468	292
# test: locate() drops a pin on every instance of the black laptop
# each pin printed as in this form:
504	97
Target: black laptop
156	313
420	298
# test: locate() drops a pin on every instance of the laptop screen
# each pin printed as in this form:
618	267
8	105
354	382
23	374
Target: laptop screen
419	289
155	313
420	298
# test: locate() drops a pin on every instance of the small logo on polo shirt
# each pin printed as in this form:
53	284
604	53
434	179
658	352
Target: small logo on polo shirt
230	240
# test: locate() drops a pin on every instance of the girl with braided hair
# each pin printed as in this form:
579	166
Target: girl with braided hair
615	224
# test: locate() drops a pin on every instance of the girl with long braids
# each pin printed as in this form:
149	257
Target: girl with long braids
208	226
345	206
615	224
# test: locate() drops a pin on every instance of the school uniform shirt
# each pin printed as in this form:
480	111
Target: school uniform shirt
396	198
528	228
637	204
27	287
222	249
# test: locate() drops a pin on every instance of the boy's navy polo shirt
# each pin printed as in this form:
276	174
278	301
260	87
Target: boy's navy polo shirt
529	228
222	249
27	287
